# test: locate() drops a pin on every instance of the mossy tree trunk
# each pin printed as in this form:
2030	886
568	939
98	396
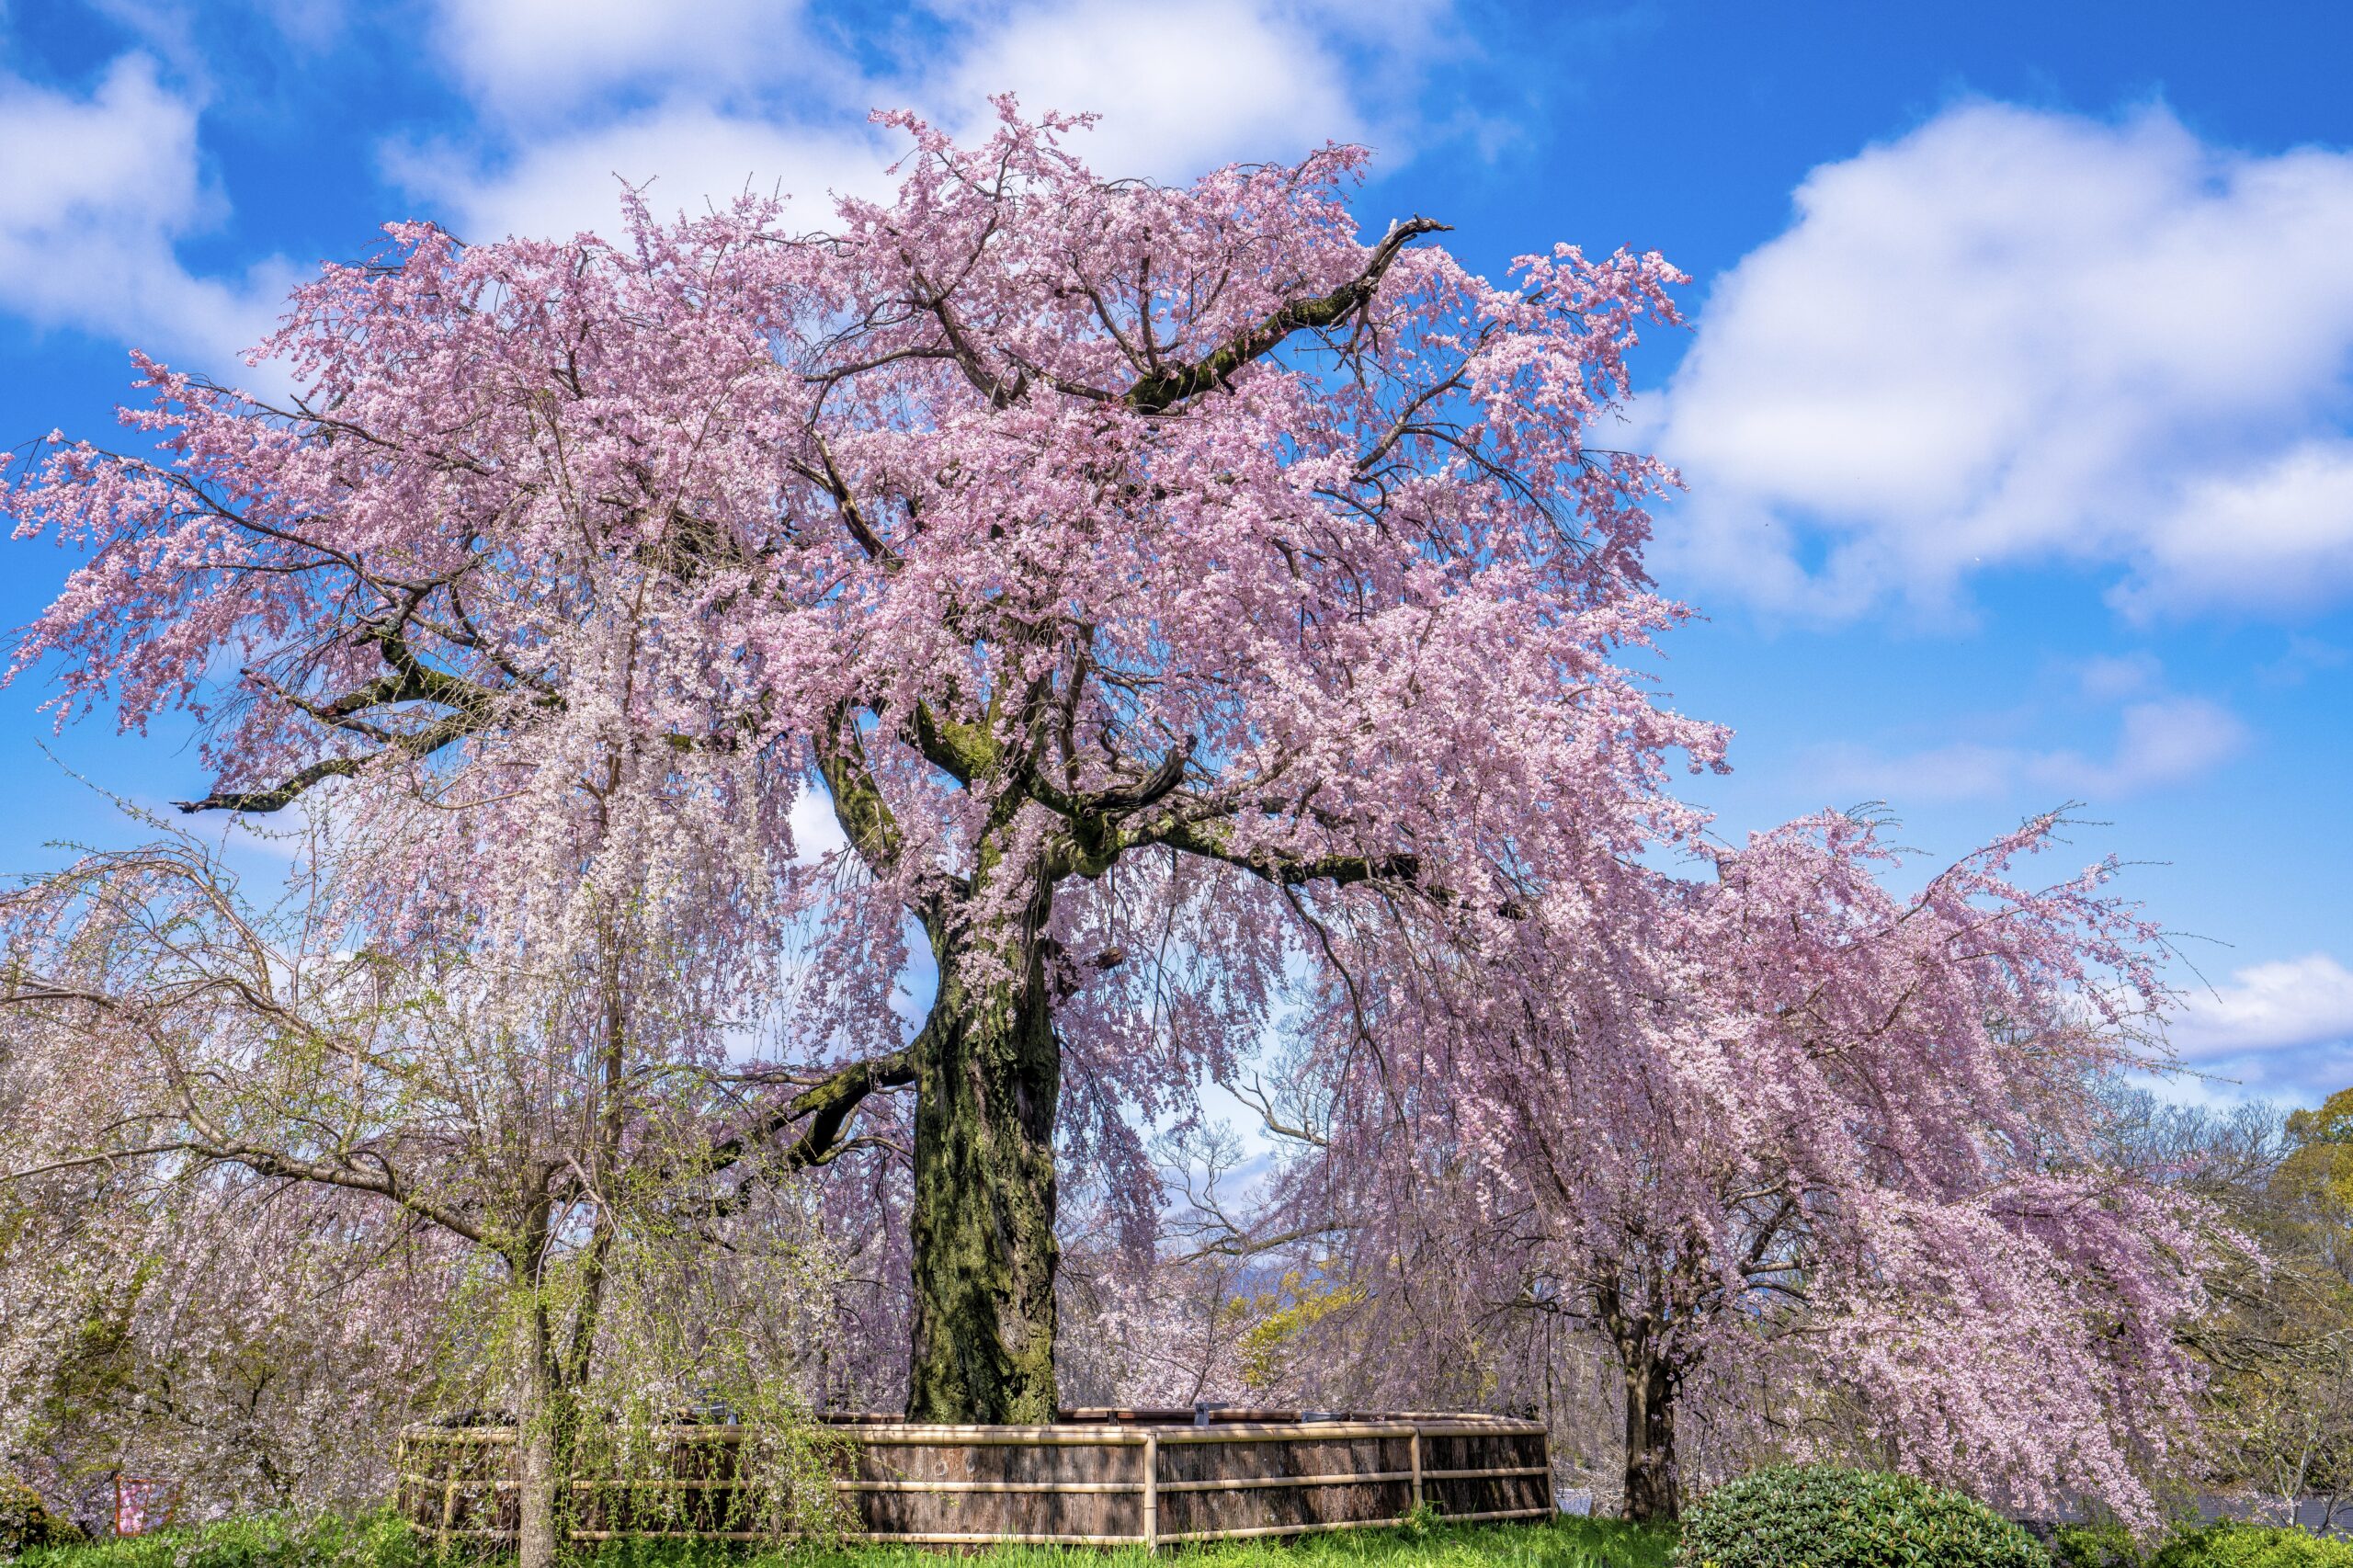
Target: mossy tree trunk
988	1077
1653	1490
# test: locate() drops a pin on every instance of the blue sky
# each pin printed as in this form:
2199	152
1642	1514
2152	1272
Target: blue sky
2016	414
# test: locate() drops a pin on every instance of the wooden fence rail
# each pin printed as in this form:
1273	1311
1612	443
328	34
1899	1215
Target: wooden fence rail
1102	1479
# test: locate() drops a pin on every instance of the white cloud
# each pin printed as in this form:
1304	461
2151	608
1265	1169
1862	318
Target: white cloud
2278	533
93	194
2281	1005
694	156
2163	741
2160	740
703	98
527	58
1180	87
2014	336
816	831
577	93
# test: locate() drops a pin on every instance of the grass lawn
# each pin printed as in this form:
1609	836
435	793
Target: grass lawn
382	1541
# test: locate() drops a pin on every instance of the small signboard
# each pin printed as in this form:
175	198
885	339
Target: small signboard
143	1504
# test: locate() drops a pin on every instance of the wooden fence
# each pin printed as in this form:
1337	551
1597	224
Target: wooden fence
1098	1478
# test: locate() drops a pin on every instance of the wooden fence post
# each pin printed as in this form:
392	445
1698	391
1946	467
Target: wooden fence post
1152	1492
1415	1442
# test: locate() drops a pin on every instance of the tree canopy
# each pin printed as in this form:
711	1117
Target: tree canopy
1202	626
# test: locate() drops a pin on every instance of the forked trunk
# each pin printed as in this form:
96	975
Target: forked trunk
988	1073
1652	1491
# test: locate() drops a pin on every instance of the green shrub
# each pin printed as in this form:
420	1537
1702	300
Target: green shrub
2251	1546
1818	1516
2095	1545
25	1521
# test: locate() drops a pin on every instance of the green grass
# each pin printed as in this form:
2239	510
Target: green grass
1564	1543
381	1540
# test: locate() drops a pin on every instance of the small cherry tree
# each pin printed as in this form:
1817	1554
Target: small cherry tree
460	1133
1784	1134
1148	581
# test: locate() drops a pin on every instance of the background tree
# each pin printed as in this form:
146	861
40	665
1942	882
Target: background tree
2277	1337
1798	1144
1146	573
258	1344
185	1076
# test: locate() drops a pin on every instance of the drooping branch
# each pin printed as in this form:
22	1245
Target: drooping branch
279	796
384	1182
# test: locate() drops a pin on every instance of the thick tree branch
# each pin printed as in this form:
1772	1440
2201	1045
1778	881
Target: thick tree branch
827	1106
384	1182
1281	869
1158	393
412	680
865	816
279	796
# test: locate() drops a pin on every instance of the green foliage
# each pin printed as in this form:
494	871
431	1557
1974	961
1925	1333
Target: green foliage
2095	1545
2278	1404
1266	1342
381	1540
2320	1164
1818	1516
1561	1543
2251	1546
26	1522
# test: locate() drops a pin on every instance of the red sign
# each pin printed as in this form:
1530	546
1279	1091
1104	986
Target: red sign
141	1505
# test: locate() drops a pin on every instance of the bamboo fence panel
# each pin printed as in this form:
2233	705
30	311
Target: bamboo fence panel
1104	1478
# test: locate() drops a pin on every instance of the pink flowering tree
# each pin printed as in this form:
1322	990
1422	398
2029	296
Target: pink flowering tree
1150	583
1824	1157
489	1166
257	1345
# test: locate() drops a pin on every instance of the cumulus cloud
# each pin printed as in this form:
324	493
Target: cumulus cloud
2279	532
740	93
687	157
702	101
2281	1005
2016	337
94	193
531	59
2160	740
1180	87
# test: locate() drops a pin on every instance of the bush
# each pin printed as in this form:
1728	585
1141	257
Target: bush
2251	1546
1818	1516
2093	1546
25	1521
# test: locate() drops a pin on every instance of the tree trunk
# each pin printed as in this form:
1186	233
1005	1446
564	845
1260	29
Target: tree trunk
988	1075
539	1462
1653	1491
